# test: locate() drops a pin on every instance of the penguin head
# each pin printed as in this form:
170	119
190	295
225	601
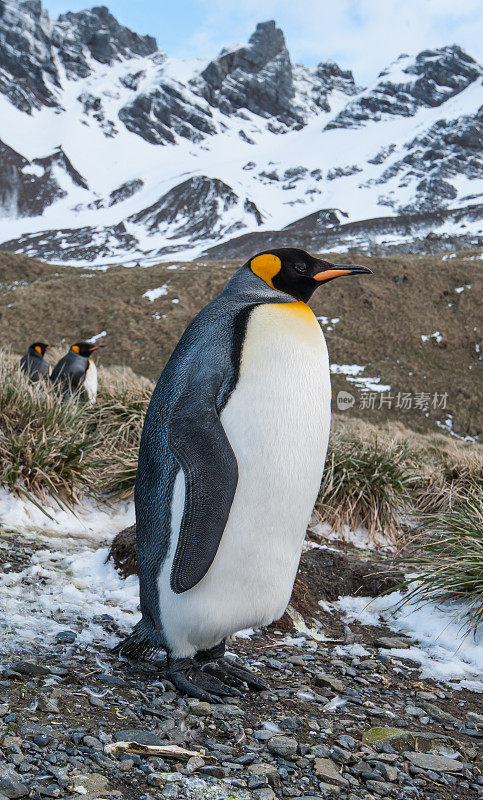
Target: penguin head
85	348
39	348
297	273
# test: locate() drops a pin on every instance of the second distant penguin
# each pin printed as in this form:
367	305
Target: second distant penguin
76	371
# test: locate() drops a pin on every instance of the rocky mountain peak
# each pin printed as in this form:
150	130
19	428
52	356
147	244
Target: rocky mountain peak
256	76
427	80
267	41
100	34
26	57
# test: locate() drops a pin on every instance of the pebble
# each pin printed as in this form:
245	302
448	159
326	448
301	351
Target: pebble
326	769
65	637
283	746
433	762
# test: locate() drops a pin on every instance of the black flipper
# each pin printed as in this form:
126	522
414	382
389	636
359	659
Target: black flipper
199	443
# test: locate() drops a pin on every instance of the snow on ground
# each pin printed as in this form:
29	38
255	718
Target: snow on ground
61	591
89	520
441	647
153	294
353	374
359	537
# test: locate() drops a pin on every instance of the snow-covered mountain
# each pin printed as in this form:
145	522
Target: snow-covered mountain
111	151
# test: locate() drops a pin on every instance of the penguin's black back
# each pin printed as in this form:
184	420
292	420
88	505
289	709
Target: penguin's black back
34	366
69	372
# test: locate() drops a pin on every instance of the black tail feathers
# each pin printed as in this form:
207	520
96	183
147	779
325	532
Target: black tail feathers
143	642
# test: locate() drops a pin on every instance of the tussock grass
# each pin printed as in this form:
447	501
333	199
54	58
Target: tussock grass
364	483
447	555
68	447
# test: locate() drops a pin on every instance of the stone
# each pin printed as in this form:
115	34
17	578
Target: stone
380	787
201	709
392	642
10	785
388	772
65	637
283	746
137	735
322	679
400	739
433	762
326	770
266	770
30	668
340	755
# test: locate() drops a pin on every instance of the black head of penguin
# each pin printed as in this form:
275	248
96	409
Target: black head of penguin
38	349
85	348
297	273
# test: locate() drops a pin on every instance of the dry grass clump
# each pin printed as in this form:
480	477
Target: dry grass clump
447	555
365	483
448	476
69	447
46	445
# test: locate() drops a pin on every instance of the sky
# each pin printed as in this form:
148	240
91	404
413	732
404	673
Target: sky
361	35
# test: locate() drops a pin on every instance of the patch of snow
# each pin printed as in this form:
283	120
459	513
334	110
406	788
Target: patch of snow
76	589
359	537
437	336
98	336
443	650
346	369
33	169
88	520
153	294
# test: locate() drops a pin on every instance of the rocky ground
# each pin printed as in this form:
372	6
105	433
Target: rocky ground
343	717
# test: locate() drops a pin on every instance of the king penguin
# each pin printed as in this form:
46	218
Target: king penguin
70	373
230	464
33	362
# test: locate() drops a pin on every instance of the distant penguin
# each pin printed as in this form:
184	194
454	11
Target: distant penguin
33	362
230	463
70	373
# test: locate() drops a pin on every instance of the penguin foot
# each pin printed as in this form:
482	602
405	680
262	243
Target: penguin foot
234	674
213	662
188	677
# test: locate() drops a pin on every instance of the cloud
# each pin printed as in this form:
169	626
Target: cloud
363	35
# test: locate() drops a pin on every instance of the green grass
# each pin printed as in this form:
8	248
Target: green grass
447	555
365	483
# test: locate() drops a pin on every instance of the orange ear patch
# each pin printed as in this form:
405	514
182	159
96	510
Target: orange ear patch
75	348
38	349
266	267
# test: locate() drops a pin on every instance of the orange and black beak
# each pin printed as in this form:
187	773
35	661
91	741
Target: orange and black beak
96	347
331	271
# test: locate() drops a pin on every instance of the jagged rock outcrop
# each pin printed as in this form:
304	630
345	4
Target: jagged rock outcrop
257	77
199	208
27	188
430	79
96	33
166	111
28	75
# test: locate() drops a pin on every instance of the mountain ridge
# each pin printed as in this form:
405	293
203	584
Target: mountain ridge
113	152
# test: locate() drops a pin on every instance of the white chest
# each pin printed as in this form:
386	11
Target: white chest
90	382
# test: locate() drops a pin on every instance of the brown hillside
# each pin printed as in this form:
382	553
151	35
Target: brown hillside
382	319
